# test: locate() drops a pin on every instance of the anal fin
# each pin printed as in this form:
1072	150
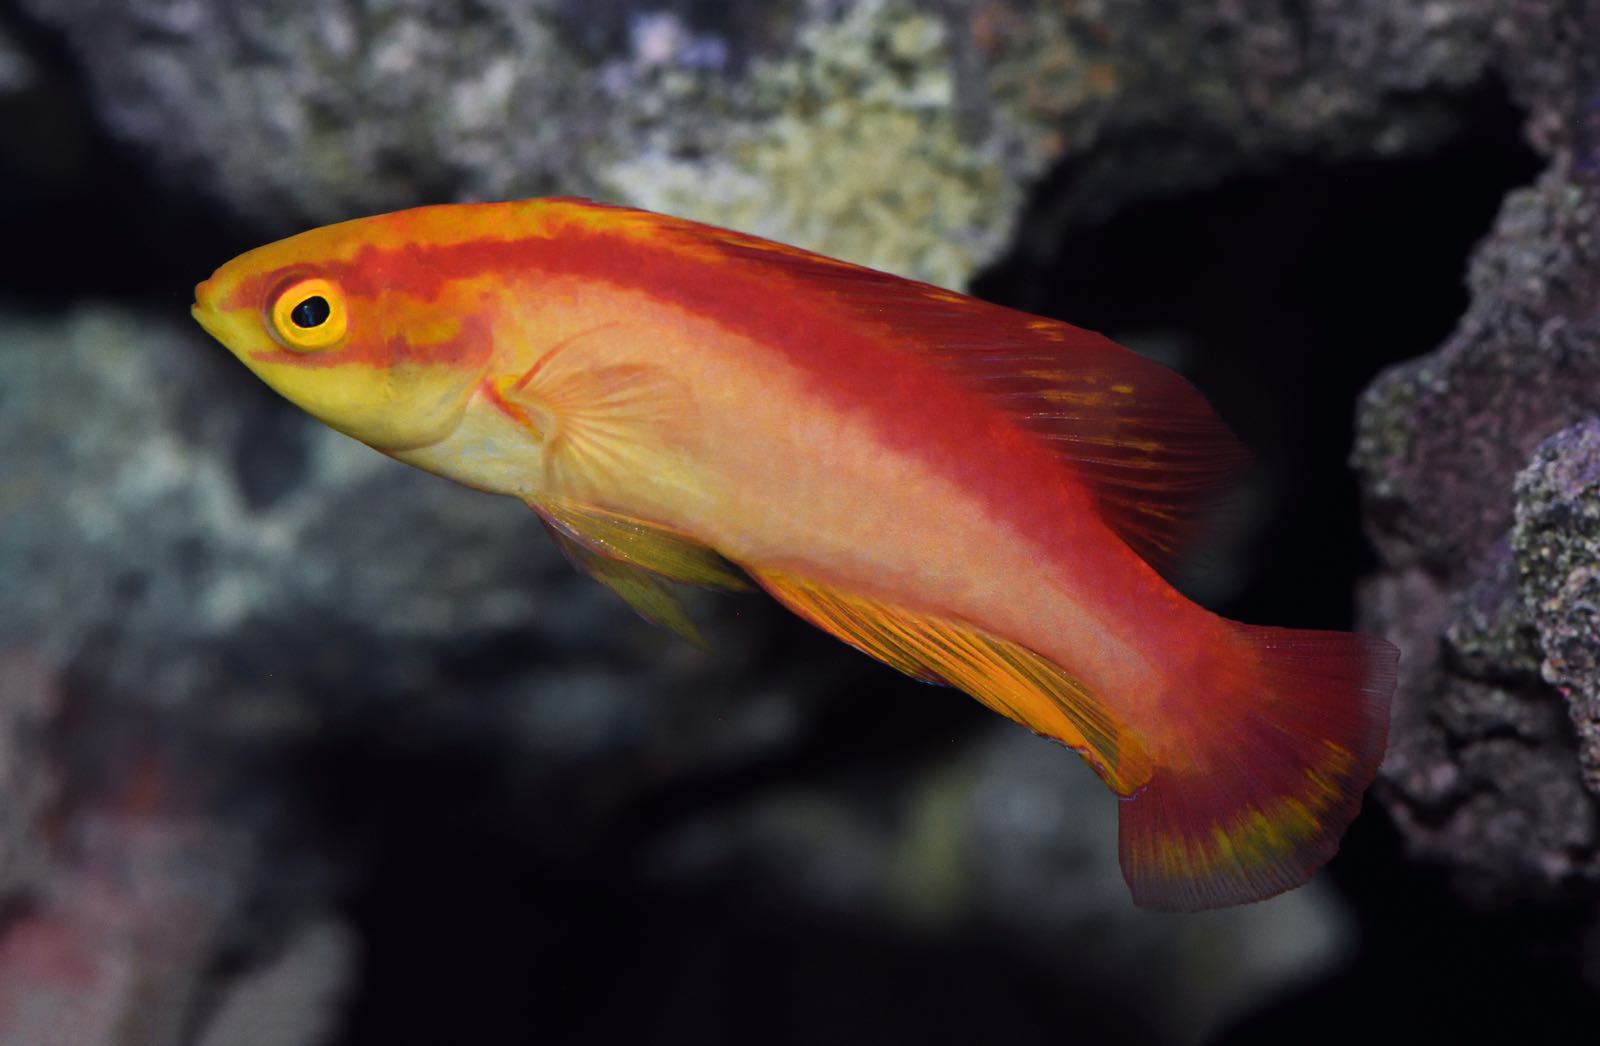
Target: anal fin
1006	677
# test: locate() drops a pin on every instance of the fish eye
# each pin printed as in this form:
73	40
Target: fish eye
313	312
308	315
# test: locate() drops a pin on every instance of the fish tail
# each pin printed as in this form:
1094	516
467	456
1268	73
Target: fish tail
1252	794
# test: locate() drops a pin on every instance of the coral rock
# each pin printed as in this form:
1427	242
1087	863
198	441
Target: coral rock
1557	539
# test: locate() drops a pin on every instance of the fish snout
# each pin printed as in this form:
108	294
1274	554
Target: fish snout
204	309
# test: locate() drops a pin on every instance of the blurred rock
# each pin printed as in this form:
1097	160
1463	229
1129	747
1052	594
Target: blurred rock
895	133
116	939
30	699
214	580
16	70
1014	836
117	949
292	1000
1483	775
1040	842
150	518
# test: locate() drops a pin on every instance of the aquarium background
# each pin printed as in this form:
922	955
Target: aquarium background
298	745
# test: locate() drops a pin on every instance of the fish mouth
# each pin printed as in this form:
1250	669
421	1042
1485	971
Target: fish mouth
205	318
204	312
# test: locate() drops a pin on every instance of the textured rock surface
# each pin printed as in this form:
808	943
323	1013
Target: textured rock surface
896	133
1557	545
1482	774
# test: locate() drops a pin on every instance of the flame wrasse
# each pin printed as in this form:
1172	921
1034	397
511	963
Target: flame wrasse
971	494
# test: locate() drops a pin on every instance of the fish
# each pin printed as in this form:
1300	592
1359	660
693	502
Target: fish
974	495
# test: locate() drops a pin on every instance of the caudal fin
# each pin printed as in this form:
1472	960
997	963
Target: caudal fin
1256	790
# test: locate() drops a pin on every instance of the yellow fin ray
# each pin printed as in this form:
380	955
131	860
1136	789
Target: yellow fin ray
1006	677
648	594
638	561
640	543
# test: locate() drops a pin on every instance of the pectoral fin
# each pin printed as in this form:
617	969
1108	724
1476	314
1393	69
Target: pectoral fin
638	560
600	411
1006	677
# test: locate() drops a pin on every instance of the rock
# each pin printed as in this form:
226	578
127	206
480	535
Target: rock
16	70
1484	579
292	1000
208	585
1557	540
30	700
894	133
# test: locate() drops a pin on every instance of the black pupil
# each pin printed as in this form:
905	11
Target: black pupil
313	312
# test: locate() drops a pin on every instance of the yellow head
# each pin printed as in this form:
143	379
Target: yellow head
381	327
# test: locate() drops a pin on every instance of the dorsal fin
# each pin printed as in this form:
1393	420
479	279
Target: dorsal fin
1137	434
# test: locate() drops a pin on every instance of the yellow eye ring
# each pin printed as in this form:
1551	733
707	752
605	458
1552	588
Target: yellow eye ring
309	315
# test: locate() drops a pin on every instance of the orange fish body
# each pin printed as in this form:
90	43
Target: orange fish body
969	493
